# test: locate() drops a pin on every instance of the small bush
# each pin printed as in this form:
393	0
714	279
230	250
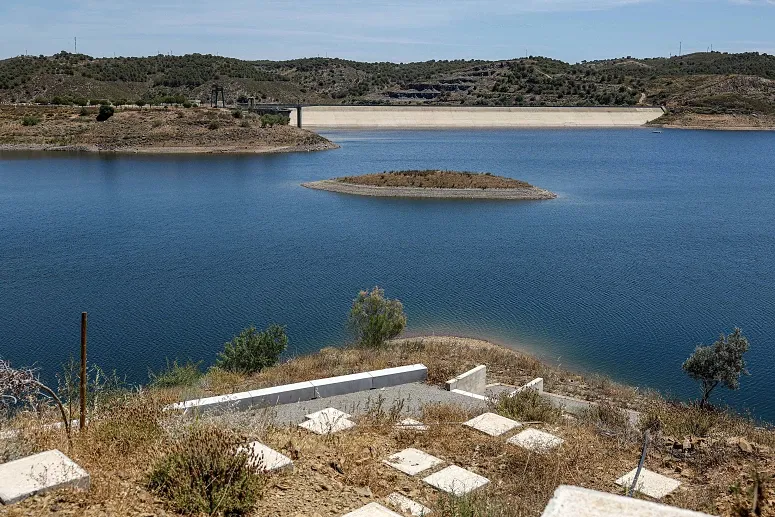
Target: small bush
40	100
527	406
213	125
84	112
207	472
105	112
245	124
176	375
236	113
375	319
270	119
470	505
141	103
252	351
30	120
186	104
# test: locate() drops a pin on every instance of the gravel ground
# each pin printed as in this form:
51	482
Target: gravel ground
409	397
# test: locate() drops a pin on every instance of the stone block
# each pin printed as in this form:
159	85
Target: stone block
649	483
535	440
410	424
492	424
231	401
330	414
412	461
400	375
472	381
456	480
573	501
342	385
267	459
285	394
372	510
483	398
325	426
406	505
536	384
39	473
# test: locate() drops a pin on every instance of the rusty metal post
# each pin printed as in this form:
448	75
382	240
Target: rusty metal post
82	422
298	115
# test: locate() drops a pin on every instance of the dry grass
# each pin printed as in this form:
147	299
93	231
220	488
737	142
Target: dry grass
435	179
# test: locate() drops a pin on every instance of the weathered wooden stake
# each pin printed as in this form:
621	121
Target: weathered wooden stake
82	422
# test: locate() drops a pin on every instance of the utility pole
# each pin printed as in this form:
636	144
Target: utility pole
680	49
75	44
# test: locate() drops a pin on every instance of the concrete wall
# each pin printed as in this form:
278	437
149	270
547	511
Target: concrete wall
386	117
573	501
472	381
303	391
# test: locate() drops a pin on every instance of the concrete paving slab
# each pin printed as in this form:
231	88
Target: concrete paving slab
323	426
492	424
410	424
573	501
649	483
39	473
406	505
342	384
412	461
330	414
456	480
267	459
535	440
372	510
400	375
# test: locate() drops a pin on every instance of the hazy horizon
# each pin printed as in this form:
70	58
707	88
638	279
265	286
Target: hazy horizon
394	31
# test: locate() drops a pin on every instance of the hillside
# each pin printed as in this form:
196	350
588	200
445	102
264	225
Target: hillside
705	83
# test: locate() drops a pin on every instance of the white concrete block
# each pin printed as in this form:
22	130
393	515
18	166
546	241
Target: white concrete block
285	394
649	483
39	473
372	510
410	424
492	424
573	501
241	400
267	459
406	505
330	414
456	480
342	385
535	440
472	381
324	426
536	384
471	395
412	461
400	375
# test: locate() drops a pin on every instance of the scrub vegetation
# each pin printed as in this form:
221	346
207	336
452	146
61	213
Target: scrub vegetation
435	179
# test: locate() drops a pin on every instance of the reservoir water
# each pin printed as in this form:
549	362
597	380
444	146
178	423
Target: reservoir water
657	242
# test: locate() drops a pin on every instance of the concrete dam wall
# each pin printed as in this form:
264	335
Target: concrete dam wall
387	117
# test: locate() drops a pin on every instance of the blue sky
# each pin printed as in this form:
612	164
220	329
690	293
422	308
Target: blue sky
392	30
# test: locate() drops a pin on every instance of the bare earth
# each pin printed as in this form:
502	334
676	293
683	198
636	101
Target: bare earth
433	184
726	122
179	130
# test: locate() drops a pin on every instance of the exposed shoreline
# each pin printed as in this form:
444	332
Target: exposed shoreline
220	149
532	193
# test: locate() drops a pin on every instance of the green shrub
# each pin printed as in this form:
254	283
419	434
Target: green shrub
270	119
472	504
84	112
375	319
236	113
213	125
245	124
252	351
80	101
30	120
105	112
140	103
208	472
176	375
186	104
40	100
527	406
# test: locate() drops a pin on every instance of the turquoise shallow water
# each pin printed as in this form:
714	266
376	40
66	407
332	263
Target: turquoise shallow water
656	243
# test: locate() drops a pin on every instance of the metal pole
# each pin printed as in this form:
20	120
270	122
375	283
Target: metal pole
82	422
646	439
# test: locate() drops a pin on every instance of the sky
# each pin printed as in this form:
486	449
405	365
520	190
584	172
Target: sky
387	30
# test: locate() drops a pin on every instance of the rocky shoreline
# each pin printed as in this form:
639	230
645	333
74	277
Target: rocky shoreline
529	193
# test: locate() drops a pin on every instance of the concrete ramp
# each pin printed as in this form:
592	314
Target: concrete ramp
450	117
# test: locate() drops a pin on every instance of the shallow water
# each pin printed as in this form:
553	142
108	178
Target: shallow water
656	243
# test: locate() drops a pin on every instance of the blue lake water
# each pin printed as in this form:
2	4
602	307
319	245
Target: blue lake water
657	242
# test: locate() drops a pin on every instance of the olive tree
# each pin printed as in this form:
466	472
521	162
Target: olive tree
720	363
252	351
375	319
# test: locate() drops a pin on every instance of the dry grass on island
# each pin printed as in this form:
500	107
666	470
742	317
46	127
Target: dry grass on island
148	130
433	184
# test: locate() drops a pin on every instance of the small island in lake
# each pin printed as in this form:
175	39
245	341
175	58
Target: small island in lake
433	184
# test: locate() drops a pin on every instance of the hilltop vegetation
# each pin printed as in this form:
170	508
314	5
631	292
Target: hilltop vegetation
706	83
